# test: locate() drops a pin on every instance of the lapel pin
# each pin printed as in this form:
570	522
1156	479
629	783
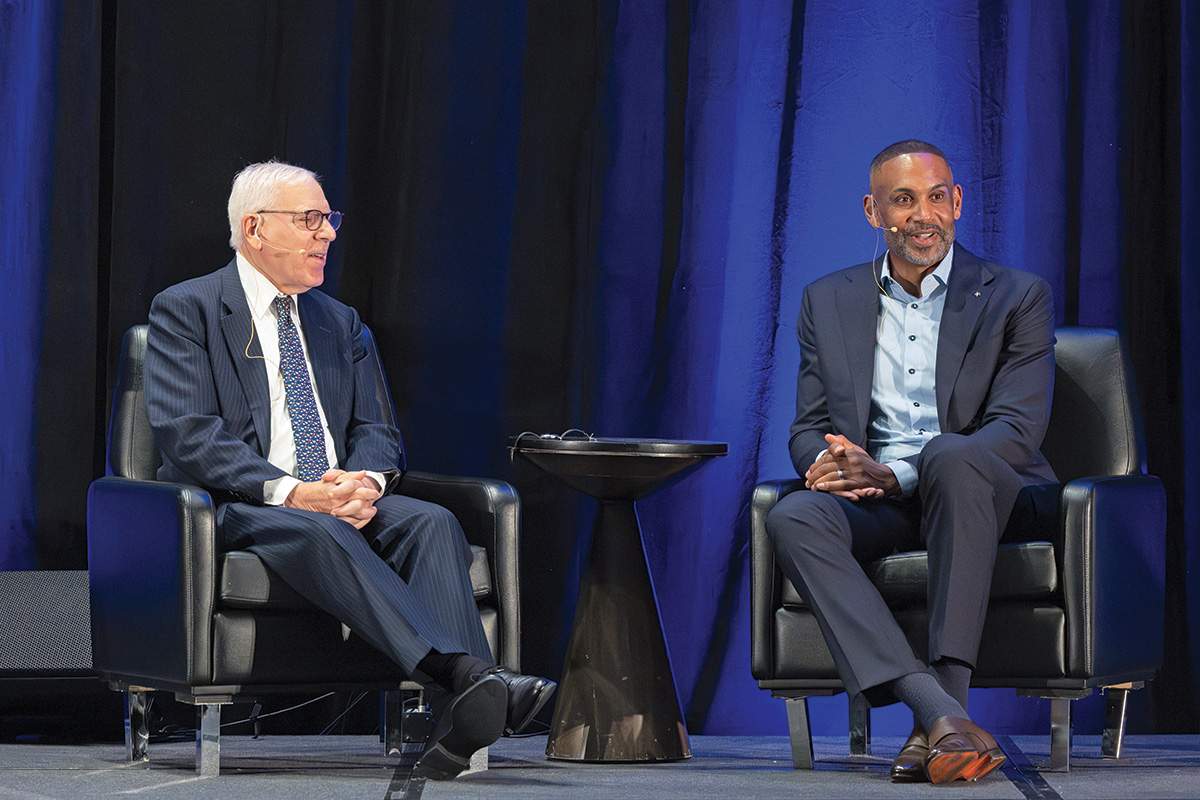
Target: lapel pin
977	294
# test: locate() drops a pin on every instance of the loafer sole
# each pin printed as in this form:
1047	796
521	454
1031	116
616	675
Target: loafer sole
965	765
475	720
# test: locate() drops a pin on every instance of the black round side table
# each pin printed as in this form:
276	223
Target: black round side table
617	699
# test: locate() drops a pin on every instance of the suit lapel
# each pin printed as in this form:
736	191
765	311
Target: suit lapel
237	328
966	296
858	312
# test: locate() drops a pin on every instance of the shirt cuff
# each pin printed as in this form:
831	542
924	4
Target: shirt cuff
906	476
275	492
379	478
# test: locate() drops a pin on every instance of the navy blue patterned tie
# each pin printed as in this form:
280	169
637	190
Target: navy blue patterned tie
311	458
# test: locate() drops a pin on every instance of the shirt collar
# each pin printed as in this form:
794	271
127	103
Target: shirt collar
939	276
260	292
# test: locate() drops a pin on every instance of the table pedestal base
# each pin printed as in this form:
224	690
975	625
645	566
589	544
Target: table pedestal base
617	699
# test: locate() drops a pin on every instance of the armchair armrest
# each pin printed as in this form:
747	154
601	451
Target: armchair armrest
1114	574
764	588
489	511
152	574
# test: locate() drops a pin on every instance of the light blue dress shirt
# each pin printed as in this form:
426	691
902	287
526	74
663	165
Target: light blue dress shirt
903	400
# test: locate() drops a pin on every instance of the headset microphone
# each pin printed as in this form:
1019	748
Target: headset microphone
875	216
268	243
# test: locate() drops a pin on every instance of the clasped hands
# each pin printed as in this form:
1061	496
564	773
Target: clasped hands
349	496
846	470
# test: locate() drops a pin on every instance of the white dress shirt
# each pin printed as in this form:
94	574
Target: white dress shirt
260	294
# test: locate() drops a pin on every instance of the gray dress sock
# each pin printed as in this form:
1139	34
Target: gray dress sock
929	702
955	678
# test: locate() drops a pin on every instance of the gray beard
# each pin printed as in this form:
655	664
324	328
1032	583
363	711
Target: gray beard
899	243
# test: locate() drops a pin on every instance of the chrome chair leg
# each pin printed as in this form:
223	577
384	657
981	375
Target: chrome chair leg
1114	718
391	727
208	739
1060	734
137	729
799	733
860	727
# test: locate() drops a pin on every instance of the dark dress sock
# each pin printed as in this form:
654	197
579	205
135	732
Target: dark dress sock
452	671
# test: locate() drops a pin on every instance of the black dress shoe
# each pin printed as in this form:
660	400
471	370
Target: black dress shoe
961	750
909	766
472	719
526	696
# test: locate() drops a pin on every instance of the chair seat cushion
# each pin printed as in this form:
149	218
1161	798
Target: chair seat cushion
246	582
1024	571
1021	639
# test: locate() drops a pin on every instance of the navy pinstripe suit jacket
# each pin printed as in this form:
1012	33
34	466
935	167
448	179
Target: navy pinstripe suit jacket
208	400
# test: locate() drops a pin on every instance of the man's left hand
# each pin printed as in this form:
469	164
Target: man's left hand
846	470
360	492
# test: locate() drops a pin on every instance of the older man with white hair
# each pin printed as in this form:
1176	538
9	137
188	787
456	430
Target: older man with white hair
255	392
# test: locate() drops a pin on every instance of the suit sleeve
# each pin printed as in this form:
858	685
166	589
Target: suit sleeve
181	401
812	402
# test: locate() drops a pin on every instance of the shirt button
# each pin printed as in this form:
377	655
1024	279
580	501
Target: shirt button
912	372
914	305
922	430
918	405
912	338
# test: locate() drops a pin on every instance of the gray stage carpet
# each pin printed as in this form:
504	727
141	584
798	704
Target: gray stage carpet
336	767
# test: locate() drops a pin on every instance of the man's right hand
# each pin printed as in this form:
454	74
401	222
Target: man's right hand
349	496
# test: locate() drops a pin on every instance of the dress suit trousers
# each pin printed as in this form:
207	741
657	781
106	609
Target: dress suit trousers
965	499
402	583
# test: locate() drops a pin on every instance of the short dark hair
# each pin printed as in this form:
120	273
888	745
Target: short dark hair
905	148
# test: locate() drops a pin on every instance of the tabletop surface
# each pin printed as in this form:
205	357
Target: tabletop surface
600	445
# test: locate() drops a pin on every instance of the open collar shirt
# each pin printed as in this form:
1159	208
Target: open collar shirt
904	415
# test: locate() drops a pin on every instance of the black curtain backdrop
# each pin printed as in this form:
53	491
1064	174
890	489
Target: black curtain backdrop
596	214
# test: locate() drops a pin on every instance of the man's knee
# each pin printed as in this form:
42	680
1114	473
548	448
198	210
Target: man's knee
432	525
801	518
953	459
434	520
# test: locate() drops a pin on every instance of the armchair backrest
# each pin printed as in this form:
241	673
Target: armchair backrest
132	452
1095	424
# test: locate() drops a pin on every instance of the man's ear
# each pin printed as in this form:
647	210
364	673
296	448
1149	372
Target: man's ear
250	224
869	210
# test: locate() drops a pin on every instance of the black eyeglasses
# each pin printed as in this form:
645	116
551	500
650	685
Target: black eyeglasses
312	218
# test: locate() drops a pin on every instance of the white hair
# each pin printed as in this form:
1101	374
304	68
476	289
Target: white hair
256	188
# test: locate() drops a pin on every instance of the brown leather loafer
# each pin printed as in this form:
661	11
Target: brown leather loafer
909	766
961	751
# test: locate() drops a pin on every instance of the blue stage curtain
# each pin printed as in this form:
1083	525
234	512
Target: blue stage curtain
784	104
51	435
26	64
597	214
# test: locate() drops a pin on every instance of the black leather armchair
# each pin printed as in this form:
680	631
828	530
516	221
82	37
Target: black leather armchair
171	611
1083	610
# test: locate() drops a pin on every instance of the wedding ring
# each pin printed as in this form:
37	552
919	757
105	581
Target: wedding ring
841	474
